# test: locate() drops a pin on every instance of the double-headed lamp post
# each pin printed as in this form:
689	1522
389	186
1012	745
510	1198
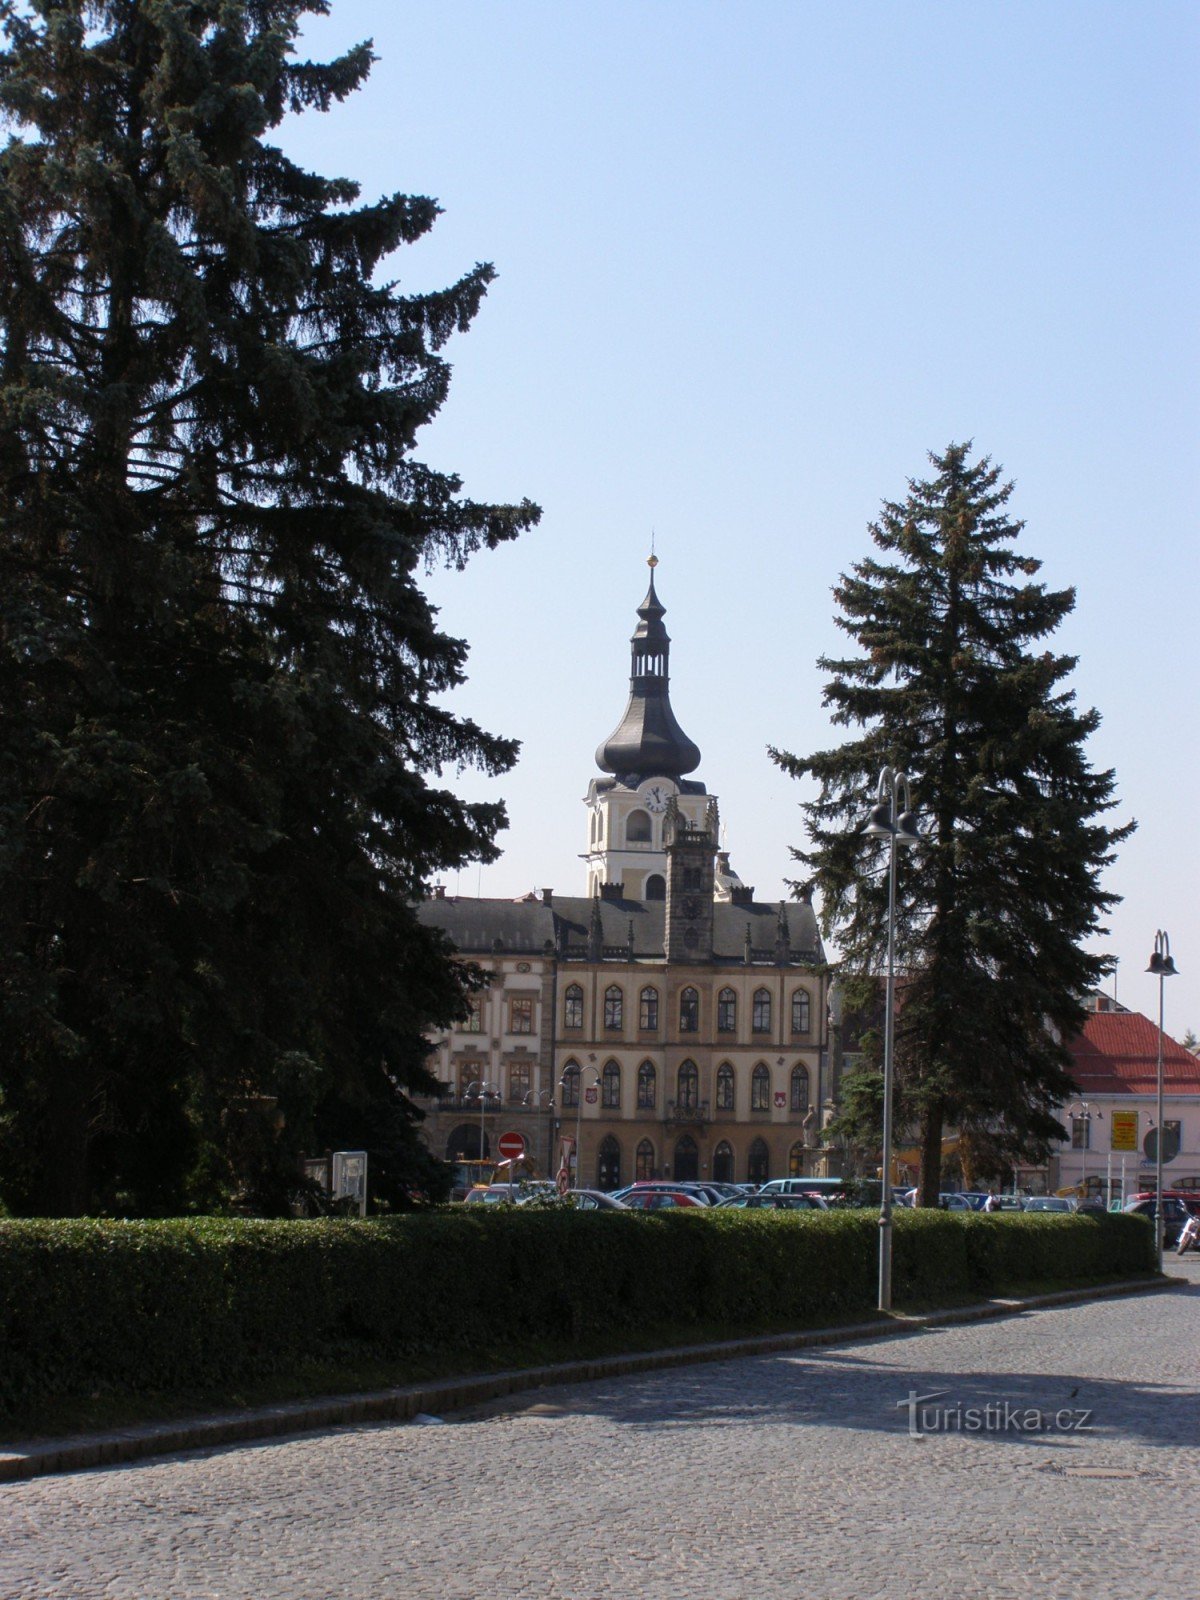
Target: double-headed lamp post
481	1091
888	822
562	1082
1161	967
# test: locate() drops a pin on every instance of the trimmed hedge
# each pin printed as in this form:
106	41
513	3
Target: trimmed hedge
135	1307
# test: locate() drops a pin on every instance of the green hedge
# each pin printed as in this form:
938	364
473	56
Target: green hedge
135	1307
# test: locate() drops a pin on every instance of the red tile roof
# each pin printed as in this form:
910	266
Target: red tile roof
1117	1053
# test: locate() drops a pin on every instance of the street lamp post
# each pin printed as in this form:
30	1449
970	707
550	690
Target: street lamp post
579	1112
1162	967
1085	1116
885	824
481	1092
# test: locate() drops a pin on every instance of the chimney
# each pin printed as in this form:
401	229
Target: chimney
547	897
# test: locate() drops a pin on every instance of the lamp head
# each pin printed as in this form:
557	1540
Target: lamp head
907	831
879	823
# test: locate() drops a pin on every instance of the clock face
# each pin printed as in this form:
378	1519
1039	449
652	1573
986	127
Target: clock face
656	798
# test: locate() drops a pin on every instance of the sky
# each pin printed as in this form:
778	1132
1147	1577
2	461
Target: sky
754	262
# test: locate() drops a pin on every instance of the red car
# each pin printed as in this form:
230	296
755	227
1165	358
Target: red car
659	1199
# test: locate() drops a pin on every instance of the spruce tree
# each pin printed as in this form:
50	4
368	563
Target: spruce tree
222	690
952	685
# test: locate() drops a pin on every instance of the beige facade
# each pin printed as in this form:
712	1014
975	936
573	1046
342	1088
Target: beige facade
716	1073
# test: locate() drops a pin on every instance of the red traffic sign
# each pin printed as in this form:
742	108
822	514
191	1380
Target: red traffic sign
591	1094
511	1145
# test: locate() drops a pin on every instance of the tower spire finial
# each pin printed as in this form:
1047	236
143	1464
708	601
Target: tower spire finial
652	561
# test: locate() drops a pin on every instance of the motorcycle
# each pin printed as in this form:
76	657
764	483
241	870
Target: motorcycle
1189	1239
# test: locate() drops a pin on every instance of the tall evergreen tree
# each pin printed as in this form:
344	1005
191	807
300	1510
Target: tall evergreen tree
222	689
994	907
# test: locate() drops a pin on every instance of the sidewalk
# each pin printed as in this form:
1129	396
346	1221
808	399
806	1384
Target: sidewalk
36	1457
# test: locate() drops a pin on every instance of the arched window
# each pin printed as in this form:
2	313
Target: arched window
644	1162
723	1163
727	1011
758	1167
647	1086
760	1020
608	1164
614	1007
724	1087
799	1088
688	1095
687	1159
648	1011
637	829
610	1086
570	1084
801	1012
796	1162
656	887
573	1007
689	1010
760	1088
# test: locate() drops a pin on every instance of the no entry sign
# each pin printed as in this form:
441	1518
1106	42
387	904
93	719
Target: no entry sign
511	1145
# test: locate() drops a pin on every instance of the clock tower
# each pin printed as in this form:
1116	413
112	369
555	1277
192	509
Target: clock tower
646	758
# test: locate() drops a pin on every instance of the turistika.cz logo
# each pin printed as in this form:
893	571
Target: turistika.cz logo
995	1416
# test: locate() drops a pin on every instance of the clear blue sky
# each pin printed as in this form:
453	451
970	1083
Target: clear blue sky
755	260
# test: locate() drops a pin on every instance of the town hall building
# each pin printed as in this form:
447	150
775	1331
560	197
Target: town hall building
666	1020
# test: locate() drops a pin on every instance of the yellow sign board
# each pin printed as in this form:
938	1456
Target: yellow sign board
1124	1130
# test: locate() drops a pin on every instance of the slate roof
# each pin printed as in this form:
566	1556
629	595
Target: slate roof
479	927
1117	1053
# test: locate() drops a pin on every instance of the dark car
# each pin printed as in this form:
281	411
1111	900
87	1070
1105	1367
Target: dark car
1175	1214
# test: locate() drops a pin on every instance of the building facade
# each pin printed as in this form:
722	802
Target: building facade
667	1021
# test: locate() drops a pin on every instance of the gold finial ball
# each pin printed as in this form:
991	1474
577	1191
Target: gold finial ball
652	561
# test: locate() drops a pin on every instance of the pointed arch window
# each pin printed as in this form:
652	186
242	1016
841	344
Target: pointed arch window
760	1016
644	1161
608	1164
573	1006
614	1007
727	1011
610	1086
689	1010
800	1100
801	1011
724	1087
687	1095
647	1093
760	1088
648	1010
758	1167
723	1163
570	1084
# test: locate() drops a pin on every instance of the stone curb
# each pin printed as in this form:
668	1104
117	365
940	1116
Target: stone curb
78	1453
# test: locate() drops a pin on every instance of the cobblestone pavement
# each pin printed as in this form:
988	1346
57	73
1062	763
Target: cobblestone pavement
775	1476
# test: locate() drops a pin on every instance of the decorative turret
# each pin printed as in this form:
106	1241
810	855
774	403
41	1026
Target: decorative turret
648	742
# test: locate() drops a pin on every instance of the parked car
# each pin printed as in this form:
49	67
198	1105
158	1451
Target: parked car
660	1200
1175	1215
699	1191
1060	1204
595	1200
492	1194
775	1202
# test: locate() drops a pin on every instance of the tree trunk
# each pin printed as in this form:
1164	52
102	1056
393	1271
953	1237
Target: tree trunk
930	1184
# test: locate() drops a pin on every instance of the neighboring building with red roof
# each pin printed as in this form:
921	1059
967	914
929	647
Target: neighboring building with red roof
1115	1063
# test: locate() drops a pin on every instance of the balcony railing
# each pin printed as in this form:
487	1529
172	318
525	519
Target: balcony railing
688	1111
